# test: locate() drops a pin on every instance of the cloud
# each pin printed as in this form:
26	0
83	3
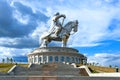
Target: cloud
105	59
18	20
10	52
94	27
20	28
114	29
32	40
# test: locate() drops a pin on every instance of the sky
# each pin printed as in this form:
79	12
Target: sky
22	22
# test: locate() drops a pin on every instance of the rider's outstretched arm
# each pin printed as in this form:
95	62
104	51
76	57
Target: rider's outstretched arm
59	16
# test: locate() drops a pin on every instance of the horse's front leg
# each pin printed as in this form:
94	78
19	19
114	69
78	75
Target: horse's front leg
44	43
64	41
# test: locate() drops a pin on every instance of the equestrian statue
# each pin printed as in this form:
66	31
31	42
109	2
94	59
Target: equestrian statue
58	32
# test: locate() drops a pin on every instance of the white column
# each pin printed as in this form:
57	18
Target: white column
33	59
47	59
37	59
42	59
30	59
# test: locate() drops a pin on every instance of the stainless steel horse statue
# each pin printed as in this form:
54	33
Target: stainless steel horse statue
63	36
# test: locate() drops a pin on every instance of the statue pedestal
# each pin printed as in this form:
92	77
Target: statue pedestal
55	61
56	55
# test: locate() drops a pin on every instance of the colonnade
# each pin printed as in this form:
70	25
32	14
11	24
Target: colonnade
38	59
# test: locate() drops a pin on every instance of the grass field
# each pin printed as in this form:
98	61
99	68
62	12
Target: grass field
5	67
23	65
103	69
99	69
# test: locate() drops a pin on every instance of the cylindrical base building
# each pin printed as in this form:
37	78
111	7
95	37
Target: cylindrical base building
56	55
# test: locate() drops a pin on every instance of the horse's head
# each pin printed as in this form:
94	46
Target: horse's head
75	25
71	26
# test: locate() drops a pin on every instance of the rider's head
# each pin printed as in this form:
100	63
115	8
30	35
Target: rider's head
57	13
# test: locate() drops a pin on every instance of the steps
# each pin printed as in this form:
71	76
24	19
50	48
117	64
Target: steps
50	69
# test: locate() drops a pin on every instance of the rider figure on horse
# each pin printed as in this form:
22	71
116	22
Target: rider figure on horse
56	24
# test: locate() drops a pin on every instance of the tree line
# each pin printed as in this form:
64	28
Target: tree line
8	60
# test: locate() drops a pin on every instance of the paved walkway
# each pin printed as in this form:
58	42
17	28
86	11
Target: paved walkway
105	75
117	74
56	78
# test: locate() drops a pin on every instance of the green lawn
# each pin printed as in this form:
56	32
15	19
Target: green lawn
102	69
99	69
23	65
5	67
